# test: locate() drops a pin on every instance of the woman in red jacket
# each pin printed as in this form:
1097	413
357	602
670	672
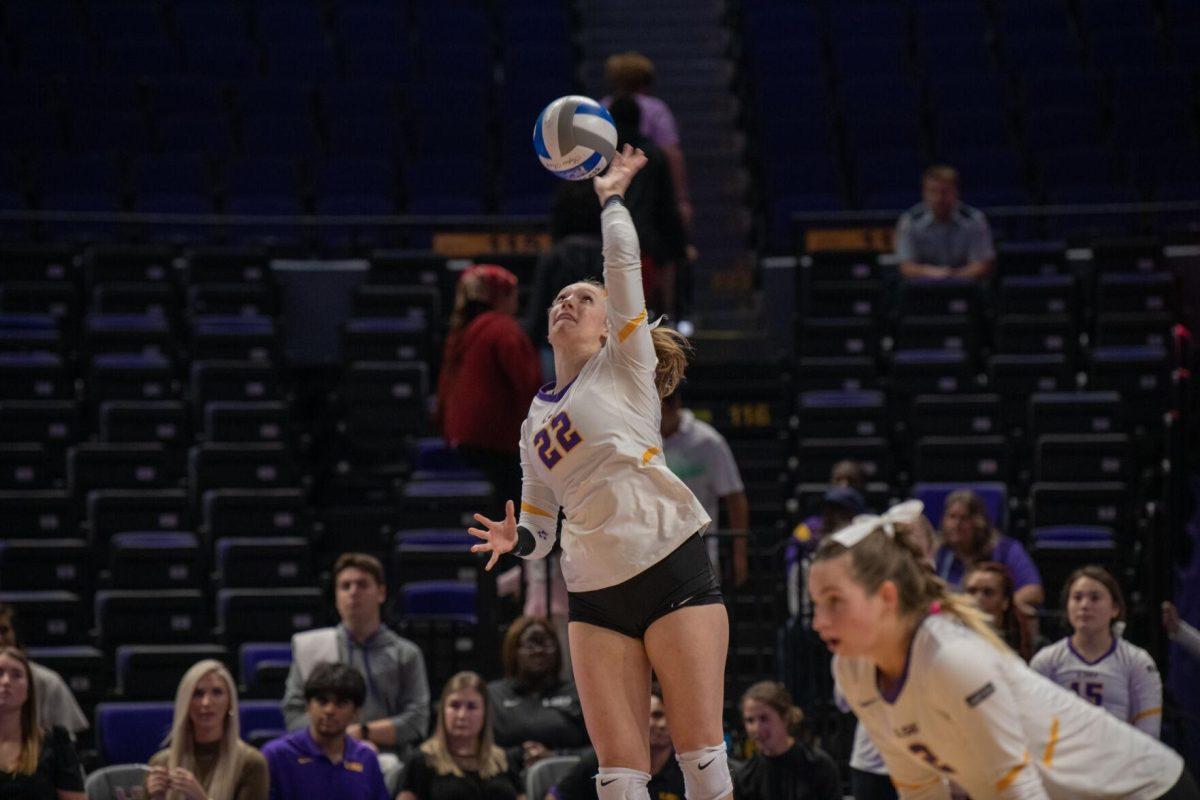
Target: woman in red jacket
489	376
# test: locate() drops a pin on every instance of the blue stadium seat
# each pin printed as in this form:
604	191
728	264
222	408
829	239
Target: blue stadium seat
1141	374
842	414
1099	503
51	618
424	598
1137	329
1135	292
226	465
379	339
938	332
233	380
25	465
1059	549
262	668
54	423
114	511
147	671
817	455
231	298
123	334
130	377
32	564
155	560
263	562
34	376
127	297
1085	457
261	421
1076	413
966	458
158	616
234	337
438	537
246	615
83	668
916	372
1037	294
435	504
163	421
1036	334
955	415
262	720
840	336
129	733
994	496
838	373
255	512
94	465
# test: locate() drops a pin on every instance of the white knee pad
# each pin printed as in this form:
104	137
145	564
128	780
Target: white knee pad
705	773
618	783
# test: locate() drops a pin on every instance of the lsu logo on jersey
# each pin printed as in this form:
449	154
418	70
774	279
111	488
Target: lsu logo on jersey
556	439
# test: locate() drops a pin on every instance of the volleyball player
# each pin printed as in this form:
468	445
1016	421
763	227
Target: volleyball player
946	700
641	591
1096	663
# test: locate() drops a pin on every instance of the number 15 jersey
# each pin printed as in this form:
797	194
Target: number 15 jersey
593	447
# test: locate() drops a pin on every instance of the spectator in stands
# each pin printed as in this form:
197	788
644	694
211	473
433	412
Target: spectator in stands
991	584
460	760
35	762
205	758
700	456
633	73
660	230
848	472
394	712
56	705
667	780
1180	631
839	506
537	712
486	347
969	538
942	237
323	759
783	767
1095	662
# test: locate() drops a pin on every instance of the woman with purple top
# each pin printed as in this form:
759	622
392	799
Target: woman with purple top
969	538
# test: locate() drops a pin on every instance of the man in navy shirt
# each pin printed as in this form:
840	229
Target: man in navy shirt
321	760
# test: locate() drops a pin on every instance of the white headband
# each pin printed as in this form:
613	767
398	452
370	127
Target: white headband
865	524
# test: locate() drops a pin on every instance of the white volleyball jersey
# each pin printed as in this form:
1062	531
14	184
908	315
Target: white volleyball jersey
1124	681
593	447
978	716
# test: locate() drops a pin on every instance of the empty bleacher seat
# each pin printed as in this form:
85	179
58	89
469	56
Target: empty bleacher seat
234	337
148	671
1036	334
438	597
449	643
158	299
1136	329
233	380
84	669
164	421
433	504
236	421
954	415
1037	294
117	466
114	511
849	373
225	465
39	513
32	564
387	339
938	332
130	376
955	296
930	372
818	455
965	458
54	423
842	414
826	298
1015	377
245	562
25	466
127	333
129	733
245	615
34	376
1068	503
1076	412
1141	374
1085	457
49	618
254	299
255	512
151	617
1058	550
384	401
263	666
840	336
154	560
1135	291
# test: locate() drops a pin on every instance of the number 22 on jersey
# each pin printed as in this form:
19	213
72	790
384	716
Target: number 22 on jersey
556	439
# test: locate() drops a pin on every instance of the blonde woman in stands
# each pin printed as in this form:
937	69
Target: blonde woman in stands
35	763
1095	662
642	593
946	700
204	758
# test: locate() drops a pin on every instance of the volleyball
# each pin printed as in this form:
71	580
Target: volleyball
574	137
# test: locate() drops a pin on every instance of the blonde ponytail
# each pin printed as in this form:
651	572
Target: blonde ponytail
672	349
901	559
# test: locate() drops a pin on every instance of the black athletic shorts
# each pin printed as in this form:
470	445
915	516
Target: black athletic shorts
684	578
1184	789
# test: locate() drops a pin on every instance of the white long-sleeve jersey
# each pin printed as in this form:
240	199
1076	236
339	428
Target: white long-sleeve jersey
593	447
968	712
1124	681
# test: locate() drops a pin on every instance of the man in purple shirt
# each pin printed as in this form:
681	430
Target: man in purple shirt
321	760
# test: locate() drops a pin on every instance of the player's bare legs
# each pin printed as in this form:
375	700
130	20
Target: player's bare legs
612	675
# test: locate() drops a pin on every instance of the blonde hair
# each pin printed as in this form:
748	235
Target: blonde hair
437	750
900	559
629	72
671	348
776	695
31	727
181	741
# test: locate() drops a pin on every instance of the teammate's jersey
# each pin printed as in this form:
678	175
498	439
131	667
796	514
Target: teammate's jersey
594	448
1124	681
968	712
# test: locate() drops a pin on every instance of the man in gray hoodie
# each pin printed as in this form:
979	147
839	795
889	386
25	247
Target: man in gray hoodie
395	714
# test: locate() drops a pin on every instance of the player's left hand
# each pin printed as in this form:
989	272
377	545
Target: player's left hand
499	538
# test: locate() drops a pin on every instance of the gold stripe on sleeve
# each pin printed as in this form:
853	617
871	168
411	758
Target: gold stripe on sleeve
1012	774
913	786
1048	756
650	453
1149	712
631	326
532	509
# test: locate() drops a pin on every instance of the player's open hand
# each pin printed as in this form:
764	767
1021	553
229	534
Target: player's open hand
498	538
616	179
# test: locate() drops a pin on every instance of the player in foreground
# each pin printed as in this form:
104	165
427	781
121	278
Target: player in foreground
946	700
641	591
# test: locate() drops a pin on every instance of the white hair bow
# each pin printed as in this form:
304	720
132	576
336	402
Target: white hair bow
865	524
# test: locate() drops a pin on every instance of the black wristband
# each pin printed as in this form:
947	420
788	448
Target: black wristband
616	199
364	732
526	542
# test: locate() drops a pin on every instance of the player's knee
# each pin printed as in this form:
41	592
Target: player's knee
618	783
706	773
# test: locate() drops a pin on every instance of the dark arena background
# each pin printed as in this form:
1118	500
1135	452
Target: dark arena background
232	229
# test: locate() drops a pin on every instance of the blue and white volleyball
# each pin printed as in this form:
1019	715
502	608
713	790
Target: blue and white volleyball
575	137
